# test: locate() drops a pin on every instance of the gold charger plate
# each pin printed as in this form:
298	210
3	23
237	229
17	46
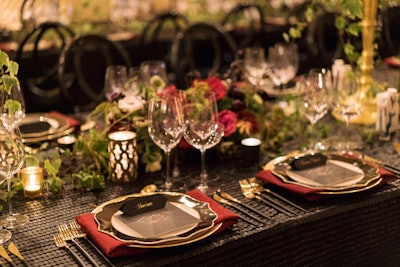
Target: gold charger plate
55	123
279	165
48	137
206	227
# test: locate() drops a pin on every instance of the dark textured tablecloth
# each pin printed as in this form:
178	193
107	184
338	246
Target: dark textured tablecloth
361	229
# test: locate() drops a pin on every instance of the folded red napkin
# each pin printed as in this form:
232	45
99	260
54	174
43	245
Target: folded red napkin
71	121
112	247
310	194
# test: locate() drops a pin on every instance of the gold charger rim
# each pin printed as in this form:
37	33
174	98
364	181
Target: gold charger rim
366	181
48	137
42	117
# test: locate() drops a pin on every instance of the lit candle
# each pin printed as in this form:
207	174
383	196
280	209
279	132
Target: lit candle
251	151
123	157
32	180
66	142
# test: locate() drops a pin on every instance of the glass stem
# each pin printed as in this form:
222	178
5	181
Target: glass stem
203	173
168	182
10	210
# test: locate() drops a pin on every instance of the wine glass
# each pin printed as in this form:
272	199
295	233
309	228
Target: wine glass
314	101
150	68
347	103
203	130
254	64
12	158
12	107
166	126
116	79
284	60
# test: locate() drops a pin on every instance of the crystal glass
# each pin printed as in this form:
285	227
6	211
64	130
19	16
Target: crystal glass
166	126
150	68
115	81
203	130
284	60
12	159
314	101
12	107
254	64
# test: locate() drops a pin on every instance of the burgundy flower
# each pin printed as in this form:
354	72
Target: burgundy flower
228	119
250	117
217	86
170	90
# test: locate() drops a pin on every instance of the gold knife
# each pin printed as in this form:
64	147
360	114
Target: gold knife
5	255
14	250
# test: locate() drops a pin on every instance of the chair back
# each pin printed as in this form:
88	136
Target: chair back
37	56
390	31
204	48
82	69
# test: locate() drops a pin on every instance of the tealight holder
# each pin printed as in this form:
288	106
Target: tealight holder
32	181
251	151
123	164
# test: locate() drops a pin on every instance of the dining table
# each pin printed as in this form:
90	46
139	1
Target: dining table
354	229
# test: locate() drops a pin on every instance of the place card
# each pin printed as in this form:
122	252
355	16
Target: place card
143	204
308	161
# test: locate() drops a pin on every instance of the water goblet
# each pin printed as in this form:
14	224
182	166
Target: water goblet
284	61
12	159
203	131
116	79
151	68
166	126
254	64
314	102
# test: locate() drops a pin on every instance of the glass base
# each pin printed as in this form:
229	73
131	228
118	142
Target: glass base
13	221
173	187
343	143
4	236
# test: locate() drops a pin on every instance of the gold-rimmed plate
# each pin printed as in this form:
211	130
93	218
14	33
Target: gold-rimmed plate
48	136
280	166
35	125
105	212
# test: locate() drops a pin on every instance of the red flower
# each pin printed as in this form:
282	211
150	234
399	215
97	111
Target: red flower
170	90
217	86
228	119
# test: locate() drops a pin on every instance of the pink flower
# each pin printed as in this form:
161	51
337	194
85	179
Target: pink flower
217	86
228	119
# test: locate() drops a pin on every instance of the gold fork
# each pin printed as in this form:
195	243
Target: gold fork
67	234
61	243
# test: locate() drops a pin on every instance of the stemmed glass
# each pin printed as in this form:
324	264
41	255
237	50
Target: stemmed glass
166	126
116	79
203	130
254	64
12	158
284	60
347	103
12	107
314	101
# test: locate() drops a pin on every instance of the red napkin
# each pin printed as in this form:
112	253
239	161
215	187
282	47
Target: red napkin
310	193
71	121
392	61
112	247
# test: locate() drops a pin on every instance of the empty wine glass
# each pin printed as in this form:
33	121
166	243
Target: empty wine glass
284	60
116	79
254	64
150	68
347	103
203	130
12	158
314	102
166	126
12	107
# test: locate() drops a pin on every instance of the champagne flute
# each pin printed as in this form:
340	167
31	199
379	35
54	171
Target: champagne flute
166	126
12	158
203	130
12	107
314	101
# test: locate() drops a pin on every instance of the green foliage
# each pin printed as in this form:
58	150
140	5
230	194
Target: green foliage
89	180
52	183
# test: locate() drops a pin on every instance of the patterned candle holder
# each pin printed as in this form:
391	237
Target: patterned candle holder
32	180
123	164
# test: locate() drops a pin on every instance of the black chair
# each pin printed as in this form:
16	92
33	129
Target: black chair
390	32
202	48
82	69
245	22
158	35
37	56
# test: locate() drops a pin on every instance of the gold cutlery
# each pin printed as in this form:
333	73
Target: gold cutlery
14	250
231	198
78	233
226	202
61	243
249	193
67	234
5	255
257	186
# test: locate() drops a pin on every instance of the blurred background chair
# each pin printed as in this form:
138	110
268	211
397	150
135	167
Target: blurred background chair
390	45
37	56
82	69
204	49
245	22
